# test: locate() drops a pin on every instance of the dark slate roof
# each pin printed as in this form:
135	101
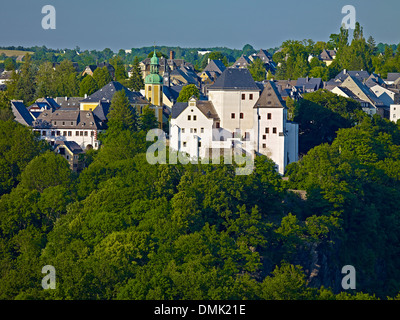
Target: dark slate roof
102	110
172	92
242	61
309	83
270	97
21	113
215	66
81	120
107	92
71	145
373	80
69	102
177	109
206	107
360	75
235	79
393	76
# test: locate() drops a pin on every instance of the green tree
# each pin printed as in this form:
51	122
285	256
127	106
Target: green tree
46	170
66	81
120	72
25	85
102	77
122	115
10	64
135	81
5	107
257	70
45	81
148	120
18	146
88	86
187	92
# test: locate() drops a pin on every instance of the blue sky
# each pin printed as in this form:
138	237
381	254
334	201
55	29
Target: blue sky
125	24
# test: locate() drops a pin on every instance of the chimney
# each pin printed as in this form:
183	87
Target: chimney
85	95
172	55
66	98
344	71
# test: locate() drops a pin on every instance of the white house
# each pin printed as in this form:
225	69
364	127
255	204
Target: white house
394	112
236	117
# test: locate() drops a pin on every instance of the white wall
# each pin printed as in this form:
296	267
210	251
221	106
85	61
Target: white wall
82	141
228	102
394	112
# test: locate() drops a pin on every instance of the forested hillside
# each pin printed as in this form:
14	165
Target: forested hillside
126	229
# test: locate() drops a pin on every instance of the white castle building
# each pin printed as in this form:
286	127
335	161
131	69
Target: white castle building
239	114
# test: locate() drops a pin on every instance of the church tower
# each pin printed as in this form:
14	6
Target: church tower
153	88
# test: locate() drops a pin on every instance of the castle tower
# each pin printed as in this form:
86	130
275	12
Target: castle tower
153	87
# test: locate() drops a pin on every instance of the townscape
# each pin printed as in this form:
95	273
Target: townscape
319	120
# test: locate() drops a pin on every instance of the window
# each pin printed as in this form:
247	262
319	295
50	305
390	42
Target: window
77	133
247	135
251	96
86	133
44	133
264	146
266	130
269	115
264	136
149	88
72	123
189	117
232	116
55	122
243	96
53	133
92	133
183	130
184	143
191	130
202	130
64	133
273	130
241	115
81	133
199	144
58	133
63	123
194	118
217	125
195	130
69	133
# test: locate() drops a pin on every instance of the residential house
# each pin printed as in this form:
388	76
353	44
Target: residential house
353	88
79	126
72	152
305	85
327	56
242	62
